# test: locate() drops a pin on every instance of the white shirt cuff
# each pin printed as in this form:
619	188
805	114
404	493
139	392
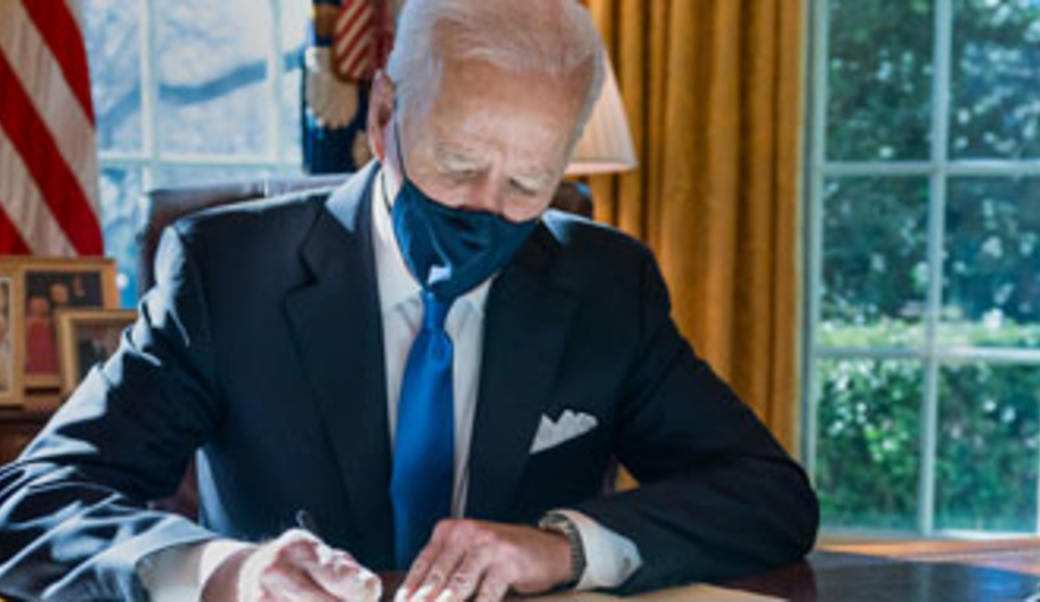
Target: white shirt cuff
610	558
177	573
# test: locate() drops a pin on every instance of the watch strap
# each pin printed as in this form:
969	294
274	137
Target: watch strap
559	523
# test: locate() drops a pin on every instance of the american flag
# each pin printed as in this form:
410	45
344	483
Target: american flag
361	39
48	159
349	40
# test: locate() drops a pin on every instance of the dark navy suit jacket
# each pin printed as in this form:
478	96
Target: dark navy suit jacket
260	348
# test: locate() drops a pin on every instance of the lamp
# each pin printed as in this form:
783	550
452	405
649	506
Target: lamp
606	144
605	147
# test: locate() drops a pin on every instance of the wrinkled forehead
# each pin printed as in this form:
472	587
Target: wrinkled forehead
472	97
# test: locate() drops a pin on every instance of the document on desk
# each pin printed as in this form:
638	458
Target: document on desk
688	593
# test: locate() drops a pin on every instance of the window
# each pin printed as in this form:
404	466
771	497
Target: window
922	371
189	92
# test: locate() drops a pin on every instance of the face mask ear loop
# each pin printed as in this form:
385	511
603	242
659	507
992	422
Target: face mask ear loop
397	140
400	156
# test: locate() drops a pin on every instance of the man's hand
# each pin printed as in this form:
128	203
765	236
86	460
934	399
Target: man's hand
296	566
474	558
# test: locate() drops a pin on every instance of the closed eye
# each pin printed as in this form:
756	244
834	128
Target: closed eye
523	188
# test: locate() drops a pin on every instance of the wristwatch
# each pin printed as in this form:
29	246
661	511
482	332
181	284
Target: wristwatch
558	523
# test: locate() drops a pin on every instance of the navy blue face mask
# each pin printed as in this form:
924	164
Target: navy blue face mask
448	250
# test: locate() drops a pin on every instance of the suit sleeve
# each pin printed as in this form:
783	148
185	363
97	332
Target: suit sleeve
73	516
719	498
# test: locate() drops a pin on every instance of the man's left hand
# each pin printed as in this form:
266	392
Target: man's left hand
475	558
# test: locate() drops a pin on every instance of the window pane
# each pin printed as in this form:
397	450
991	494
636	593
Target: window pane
995	109
114	53
867	442
291	119
295	21
175	175
874	261
987	456
992	274
879	79
212	61
120	188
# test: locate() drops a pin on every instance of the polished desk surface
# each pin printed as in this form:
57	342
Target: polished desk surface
950	571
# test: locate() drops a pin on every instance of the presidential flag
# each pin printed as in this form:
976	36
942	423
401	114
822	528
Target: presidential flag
48	159
349	40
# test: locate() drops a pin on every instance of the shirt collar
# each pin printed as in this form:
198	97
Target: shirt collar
396	283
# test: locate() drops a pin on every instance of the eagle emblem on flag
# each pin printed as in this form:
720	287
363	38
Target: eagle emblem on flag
351	39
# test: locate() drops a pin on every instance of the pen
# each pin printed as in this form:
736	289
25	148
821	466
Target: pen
306	522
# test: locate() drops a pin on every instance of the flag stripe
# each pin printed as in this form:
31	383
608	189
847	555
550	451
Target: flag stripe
75	8
355	63
23	205
40	75
11	240
350	37
65	40
347	15
58	185
359	47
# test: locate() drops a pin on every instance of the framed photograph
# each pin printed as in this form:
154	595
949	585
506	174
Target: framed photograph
49	284
11	348
86	337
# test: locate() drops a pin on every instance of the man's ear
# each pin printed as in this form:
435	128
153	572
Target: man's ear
380	113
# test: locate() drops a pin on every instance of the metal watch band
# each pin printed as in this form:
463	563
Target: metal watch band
563	525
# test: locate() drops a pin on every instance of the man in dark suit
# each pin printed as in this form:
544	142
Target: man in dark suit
426	366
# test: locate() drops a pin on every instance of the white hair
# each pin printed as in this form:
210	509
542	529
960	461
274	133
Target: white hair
551	37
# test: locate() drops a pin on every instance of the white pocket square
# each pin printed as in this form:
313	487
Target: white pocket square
569	425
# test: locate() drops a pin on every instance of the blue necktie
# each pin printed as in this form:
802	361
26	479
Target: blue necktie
424	446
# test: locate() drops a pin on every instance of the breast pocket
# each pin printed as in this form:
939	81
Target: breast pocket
568	471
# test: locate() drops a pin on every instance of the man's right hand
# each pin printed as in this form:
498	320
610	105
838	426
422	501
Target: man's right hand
296	566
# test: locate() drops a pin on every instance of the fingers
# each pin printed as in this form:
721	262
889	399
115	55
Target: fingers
299	566
451	567
442	567
463	583
493	588
467	557
344	578
422	563
292	583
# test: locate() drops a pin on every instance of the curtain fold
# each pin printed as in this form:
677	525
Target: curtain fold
713	92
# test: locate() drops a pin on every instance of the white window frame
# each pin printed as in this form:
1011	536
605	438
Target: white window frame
150	159
931	355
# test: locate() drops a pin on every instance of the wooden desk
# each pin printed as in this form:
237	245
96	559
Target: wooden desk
847	572
910	571
18	426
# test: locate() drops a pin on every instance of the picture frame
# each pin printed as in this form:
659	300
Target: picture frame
11	348
46	284
85	337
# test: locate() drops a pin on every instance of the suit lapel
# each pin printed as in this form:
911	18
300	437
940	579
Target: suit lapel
338	332
337	327
526	322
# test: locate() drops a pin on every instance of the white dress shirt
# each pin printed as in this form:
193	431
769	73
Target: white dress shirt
177	573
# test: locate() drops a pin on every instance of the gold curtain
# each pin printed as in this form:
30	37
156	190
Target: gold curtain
713	92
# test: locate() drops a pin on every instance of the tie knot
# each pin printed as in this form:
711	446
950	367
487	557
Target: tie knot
435	311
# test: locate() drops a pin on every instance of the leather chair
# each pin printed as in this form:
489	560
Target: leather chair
163	206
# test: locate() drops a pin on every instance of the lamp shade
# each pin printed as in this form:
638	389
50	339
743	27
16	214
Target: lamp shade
606	144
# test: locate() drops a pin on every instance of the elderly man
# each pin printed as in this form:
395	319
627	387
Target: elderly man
426	368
